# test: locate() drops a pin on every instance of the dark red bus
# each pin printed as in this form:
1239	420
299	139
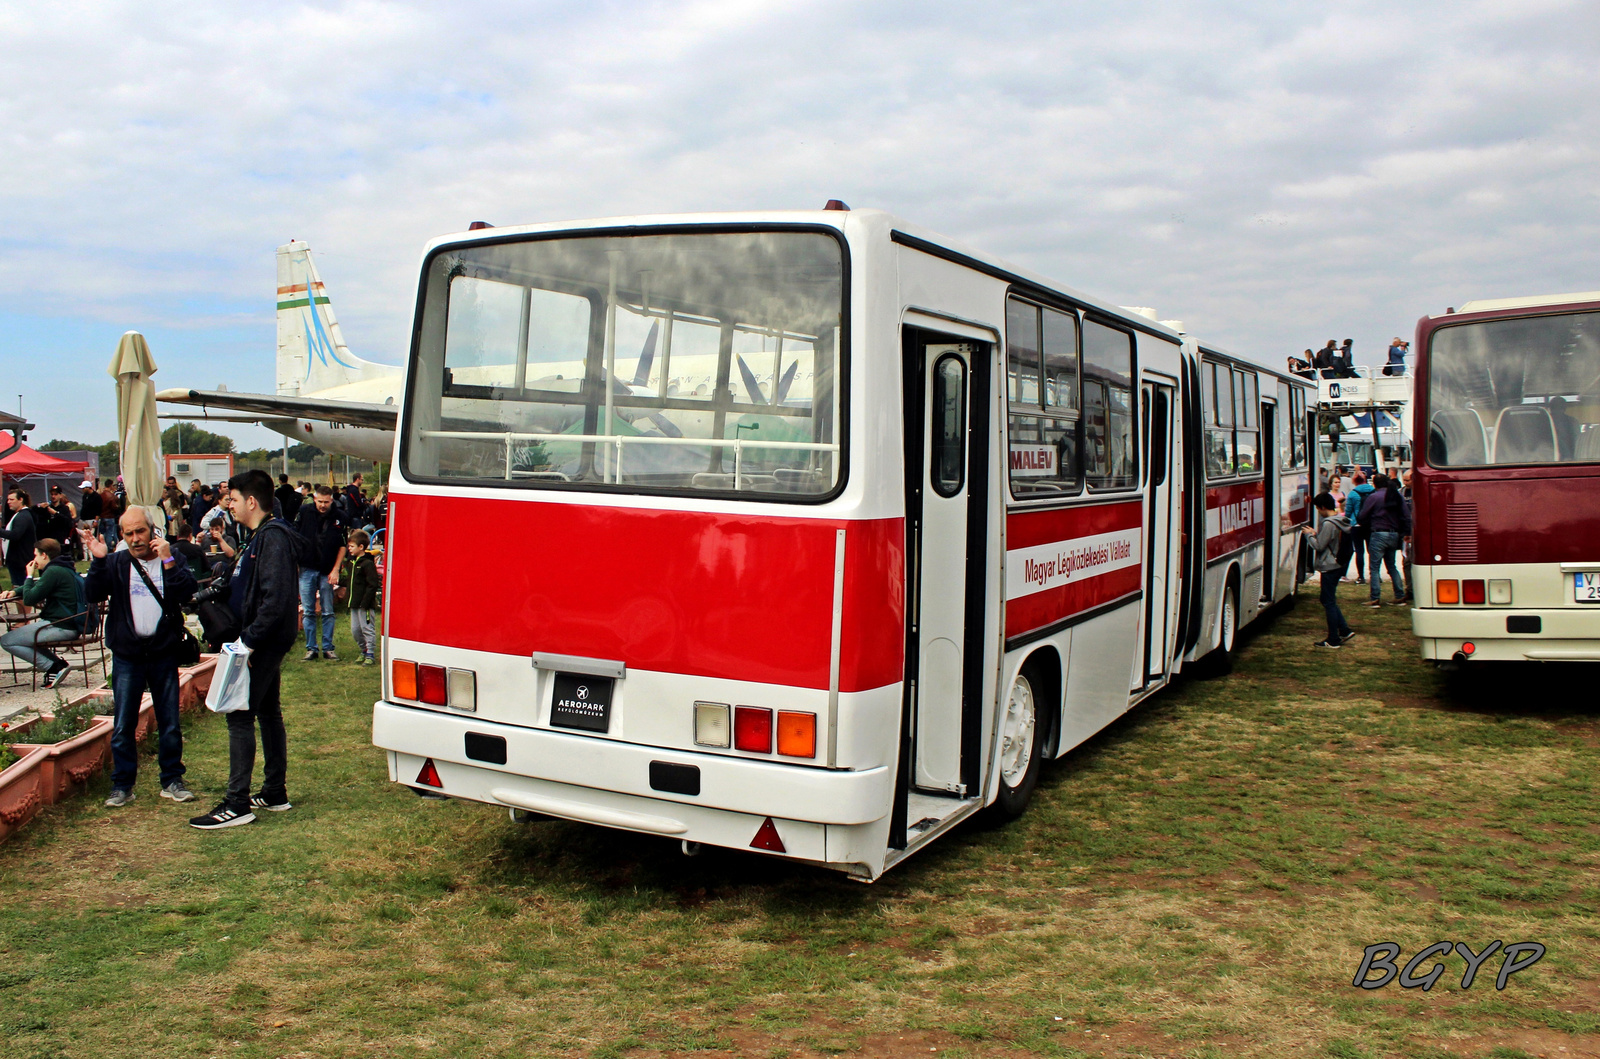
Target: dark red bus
1506	494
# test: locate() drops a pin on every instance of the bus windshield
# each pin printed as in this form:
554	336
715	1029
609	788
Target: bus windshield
670	363
1516	391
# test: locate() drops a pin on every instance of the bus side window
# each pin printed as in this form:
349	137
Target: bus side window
948	466
1043	422
1246	432
1109	449
1219	402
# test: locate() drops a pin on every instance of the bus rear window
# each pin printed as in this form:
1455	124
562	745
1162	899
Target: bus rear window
672	363
1516	391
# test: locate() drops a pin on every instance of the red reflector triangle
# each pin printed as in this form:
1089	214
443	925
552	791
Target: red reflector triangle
766	838
430	775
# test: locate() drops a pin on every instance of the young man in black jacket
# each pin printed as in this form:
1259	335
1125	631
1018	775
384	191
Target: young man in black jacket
262	594
144	629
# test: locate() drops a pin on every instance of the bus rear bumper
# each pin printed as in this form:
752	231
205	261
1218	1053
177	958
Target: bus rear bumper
555	774
1565	634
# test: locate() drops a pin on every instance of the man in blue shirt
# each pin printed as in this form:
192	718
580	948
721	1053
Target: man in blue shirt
1397	357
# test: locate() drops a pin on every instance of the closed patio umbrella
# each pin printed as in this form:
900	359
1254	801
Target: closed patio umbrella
138	429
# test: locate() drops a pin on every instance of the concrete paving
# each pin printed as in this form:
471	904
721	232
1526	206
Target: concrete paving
20	701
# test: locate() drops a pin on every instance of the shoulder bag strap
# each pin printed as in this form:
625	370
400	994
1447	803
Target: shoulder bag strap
145	577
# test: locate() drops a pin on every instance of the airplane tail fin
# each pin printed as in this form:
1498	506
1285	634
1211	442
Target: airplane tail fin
312	355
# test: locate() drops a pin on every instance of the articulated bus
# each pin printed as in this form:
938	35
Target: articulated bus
814	534
1506	491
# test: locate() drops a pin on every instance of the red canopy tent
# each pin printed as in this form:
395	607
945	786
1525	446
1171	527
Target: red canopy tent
26	461
37	471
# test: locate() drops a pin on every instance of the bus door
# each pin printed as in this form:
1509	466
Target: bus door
1268	455
1158	401
946	482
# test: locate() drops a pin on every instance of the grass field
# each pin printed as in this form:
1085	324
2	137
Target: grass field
1199	880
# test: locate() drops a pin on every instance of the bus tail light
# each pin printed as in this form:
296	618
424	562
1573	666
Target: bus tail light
1472	591
429	776
752	729
711	724
1500	590
463	689
1447	590
1469	648
403	679
797	734
431	685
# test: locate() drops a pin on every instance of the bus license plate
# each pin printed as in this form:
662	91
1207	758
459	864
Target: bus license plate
582	702
1586	588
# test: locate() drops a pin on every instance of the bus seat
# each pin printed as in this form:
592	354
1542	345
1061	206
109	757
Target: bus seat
1588	444
1456	438
1524	434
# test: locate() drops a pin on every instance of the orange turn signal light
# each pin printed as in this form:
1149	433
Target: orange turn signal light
1448	590
797	734
403	679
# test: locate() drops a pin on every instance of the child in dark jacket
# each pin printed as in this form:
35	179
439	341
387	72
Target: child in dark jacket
364	585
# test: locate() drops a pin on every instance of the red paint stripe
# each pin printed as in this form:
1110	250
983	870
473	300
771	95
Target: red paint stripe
1235	493
731	596
1057	604
1024	529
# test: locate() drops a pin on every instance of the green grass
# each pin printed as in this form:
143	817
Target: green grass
1199	880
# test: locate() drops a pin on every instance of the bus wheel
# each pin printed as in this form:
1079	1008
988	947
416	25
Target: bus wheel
1220	661
1019	748
1230	621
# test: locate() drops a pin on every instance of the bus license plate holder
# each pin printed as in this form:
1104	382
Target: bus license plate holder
1586	587
582	702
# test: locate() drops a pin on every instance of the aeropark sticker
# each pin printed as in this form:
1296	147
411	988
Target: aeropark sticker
582	702
1241	514
1046	566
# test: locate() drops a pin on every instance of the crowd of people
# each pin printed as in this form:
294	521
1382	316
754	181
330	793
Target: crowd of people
1337	361
1370	523
257	565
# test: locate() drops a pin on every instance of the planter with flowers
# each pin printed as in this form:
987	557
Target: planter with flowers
21	788
73	745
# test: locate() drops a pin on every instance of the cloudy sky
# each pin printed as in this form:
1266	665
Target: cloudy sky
1273	173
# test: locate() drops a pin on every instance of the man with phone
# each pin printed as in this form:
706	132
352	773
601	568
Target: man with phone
146	585
263	593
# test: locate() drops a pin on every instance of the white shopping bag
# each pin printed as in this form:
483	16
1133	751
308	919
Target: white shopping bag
230	683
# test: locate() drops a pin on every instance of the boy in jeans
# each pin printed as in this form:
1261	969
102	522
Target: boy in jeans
1325	541
363	596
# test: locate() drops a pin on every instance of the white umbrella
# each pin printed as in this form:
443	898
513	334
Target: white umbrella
138	429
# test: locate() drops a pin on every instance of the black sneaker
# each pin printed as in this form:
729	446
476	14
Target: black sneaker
57	675
1326	643
330	656
310	656
221	817
1349	634
261	801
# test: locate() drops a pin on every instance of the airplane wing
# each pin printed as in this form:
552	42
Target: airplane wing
272	406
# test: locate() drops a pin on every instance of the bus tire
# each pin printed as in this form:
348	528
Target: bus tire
1219	662
1020	746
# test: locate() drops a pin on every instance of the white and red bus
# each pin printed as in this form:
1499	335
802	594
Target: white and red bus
809	533
1506	490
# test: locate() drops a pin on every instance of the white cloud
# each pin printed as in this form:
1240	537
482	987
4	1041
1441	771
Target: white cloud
1272	173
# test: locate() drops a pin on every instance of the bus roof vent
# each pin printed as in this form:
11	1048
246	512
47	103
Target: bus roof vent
477	225
1141	310
1176	325
1486	304
836	204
